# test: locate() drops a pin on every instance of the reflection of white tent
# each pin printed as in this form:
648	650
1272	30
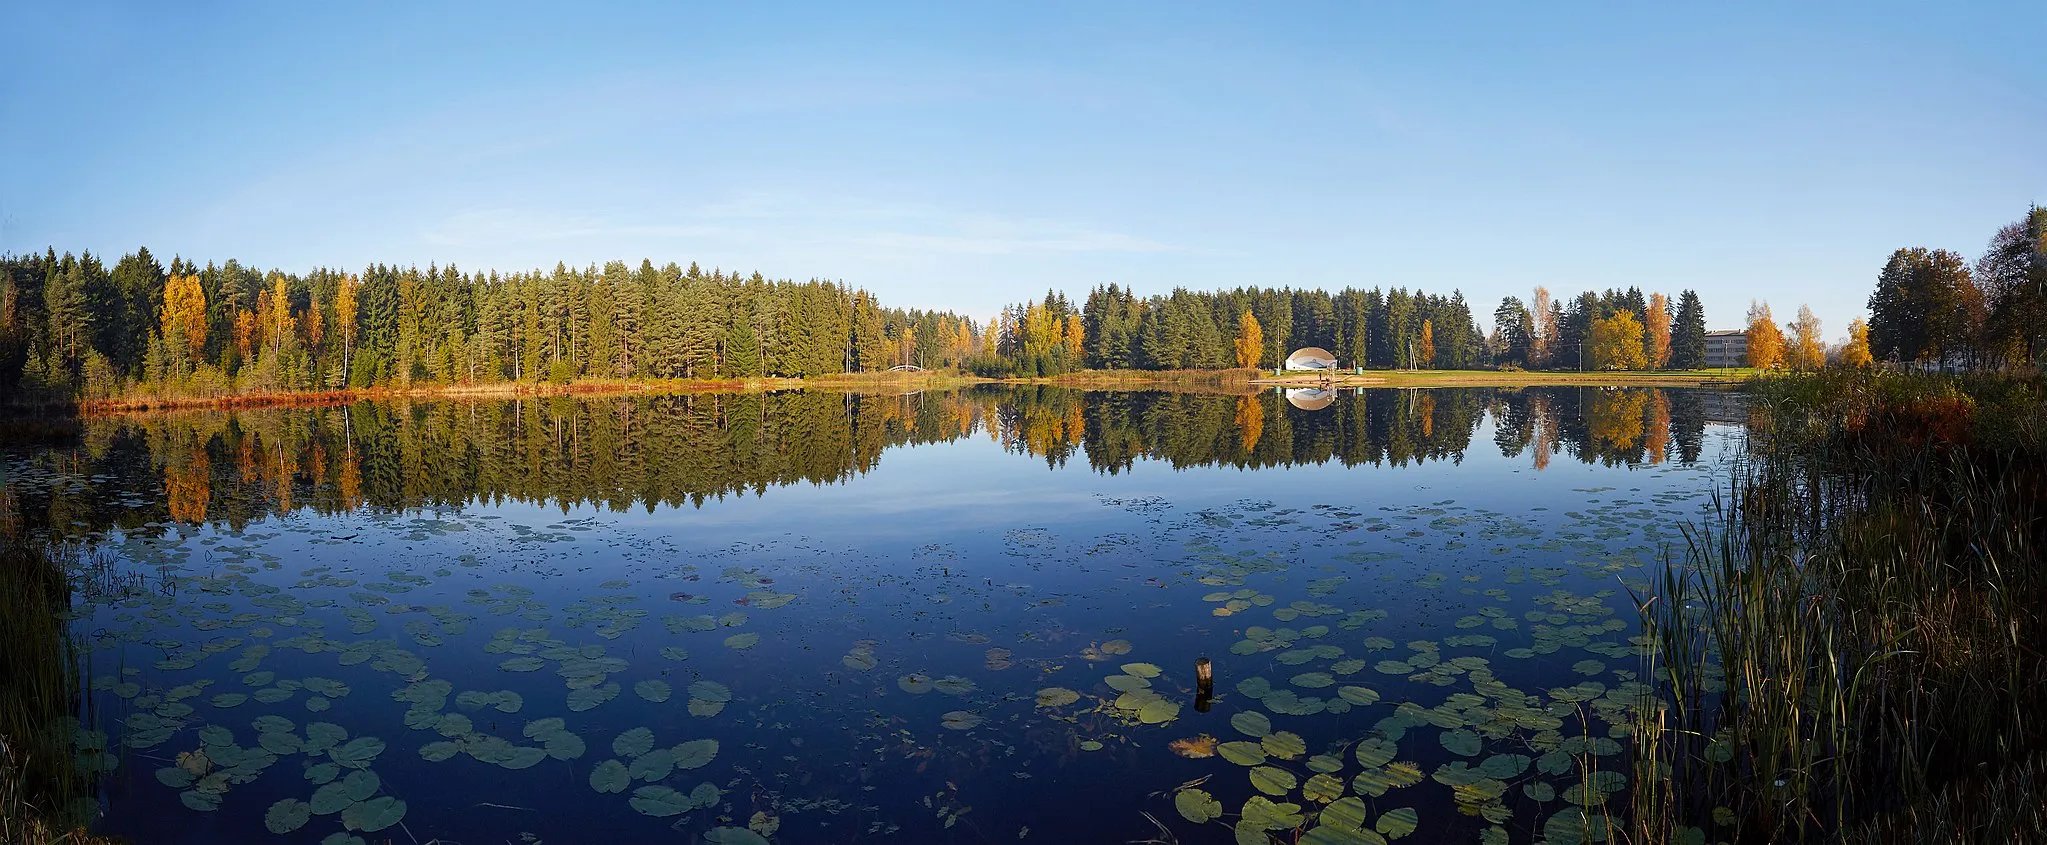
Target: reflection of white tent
1310	398
1311	358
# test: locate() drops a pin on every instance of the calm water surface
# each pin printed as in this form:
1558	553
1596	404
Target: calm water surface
816	617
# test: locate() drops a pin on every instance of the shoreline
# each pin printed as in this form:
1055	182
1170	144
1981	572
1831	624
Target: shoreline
1231	380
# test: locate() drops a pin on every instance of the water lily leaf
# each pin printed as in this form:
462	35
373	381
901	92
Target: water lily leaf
357	753
523	664
710	691
1329	834
1505	766
359	786
1374	752
954	685
742	642
1461	742
960	720
633	743
915	683
1252	723
1376	782
541	729
660	801
435	752
1142	670
1322	788
733	836
1242	753
1314	680
373	815
1539	791
174	777
268	724
610	776
1126	683
1056	697
1197	806
589	698
523	757
1116	647
1344	812
1284	745
229	699
1397	823
695	753
1263	814
330	799
1273	781
656	691
322	772
653	765
1360	696
1158	711
322	736
280	744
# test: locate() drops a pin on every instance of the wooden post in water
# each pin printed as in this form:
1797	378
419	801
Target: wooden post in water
1204	684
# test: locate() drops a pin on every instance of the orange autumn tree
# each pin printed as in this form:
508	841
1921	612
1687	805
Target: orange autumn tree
1658	328
1250	340
1425	351
1765	340
344	318
1856	352
183	317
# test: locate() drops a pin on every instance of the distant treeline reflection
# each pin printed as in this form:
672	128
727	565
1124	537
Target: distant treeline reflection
618	452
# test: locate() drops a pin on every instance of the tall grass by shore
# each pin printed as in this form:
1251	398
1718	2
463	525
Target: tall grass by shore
1855	648
47	776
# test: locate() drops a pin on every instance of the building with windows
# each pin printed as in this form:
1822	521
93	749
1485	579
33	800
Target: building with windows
1726	349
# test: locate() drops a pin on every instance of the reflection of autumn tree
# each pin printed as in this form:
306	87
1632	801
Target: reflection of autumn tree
1614	418
188	486
1250	423
1658	430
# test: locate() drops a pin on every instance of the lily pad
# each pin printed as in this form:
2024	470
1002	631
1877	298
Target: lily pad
656	691
1397	823
373	815
695	753
633	743
1273	781
1197	806
1252	723
660	801
1056	697
610	776
960	720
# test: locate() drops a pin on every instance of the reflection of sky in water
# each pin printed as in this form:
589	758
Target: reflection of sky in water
940	553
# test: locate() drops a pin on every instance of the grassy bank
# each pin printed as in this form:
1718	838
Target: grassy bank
1873	594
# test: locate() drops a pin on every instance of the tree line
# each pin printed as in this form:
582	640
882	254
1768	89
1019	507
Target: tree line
1932	308
1372	328
71	326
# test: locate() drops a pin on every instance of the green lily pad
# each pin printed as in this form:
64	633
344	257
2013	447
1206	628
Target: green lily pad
1142	670
1158	711
1262	813
1322	788
1197	806
357	753
960	720
1360	696
1374	752
1344	812
633	743
1252	723
330	799
1056	697
1242	753
742	642
373	815
1397	823
660	801
359	786
1284	745
1273	781
1314	680
695	753
653	765
710	691
915	683
610	776
435	752
1461	742
733	836
656	691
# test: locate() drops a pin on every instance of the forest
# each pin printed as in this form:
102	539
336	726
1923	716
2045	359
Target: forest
73	328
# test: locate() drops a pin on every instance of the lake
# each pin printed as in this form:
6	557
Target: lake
965	616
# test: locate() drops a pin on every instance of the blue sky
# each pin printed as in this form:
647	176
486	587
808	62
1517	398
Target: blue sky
961	156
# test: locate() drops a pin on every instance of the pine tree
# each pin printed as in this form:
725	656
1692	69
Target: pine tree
1688	333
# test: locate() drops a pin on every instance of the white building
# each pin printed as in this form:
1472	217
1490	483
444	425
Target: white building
1726	349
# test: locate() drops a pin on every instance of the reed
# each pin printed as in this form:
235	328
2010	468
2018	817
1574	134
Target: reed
1871	589
47	782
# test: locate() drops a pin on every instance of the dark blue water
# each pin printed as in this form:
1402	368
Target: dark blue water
882	631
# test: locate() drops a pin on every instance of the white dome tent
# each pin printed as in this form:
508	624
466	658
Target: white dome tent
1310	358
